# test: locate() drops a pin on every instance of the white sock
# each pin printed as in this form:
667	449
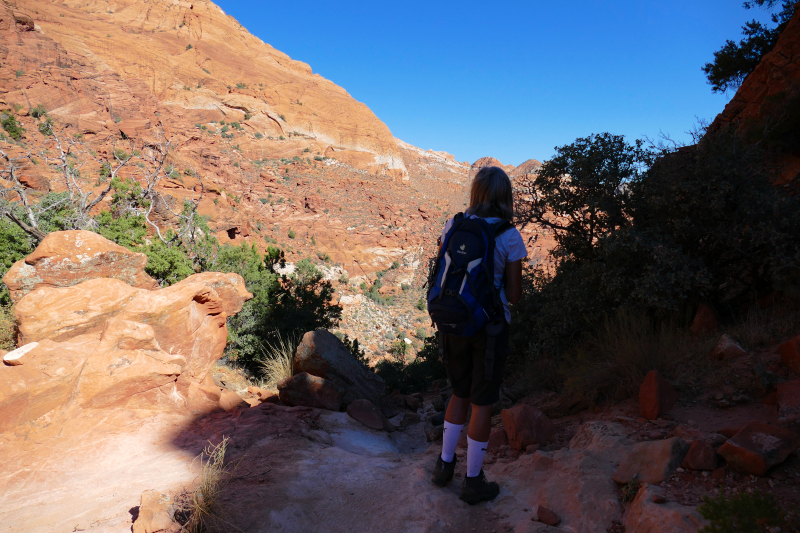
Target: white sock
452	432
475	454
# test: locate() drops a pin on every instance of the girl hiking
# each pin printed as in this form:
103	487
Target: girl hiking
478	274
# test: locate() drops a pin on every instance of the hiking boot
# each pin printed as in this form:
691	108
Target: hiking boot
443	472
477	489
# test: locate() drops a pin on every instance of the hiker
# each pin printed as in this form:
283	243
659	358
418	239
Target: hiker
472	315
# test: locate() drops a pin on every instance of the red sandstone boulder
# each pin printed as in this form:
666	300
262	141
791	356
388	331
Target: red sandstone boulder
365	412
701	456
705	320
321	354
652	462
66	258
727	348
497	438
790	354
525	425
310	391
758	447
656	396
788	399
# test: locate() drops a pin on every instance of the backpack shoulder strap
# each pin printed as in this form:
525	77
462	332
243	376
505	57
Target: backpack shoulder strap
501	227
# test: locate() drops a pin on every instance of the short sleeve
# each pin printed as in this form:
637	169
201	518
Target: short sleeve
516	246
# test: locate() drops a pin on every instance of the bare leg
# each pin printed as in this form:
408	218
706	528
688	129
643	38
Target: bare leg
457	410
480	424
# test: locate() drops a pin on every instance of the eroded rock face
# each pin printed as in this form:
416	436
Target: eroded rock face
66	258
321	354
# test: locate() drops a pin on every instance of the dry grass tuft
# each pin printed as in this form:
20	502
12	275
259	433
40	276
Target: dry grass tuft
615	359
277	361
201	509
762	328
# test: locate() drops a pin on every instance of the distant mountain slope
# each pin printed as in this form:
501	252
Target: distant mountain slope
132	65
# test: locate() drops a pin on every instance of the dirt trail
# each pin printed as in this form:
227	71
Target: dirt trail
295	473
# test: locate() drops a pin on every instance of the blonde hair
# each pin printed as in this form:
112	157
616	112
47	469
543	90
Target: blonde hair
491	194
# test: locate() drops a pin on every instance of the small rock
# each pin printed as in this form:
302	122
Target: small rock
438	403
718	474
311	391
17	357
497	438
154	515
701	456
658	498
526	425
365	412
531	448
650	512
788	400
727	348
656	396
412	402
434	433
547	516
229	400
705	320
790	354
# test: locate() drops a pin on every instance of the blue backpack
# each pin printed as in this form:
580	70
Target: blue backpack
462	298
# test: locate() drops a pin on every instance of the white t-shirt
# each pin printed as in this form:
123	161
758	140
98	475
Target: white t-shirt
509	247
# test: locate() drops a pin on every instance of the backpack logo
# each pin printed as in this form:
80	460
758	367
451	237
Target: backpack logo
462	248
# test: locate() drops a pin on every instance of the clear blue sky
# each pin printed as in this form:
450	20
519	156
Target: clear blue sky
510	79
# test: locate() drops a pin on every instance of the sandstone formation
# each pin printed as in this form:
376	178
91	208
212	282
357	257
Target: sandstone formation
191	61
321	354
487	162
701	456
102	343
705	320
66	258
771	90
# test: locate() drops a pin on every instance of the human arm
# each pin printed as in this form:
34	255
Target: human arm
513	281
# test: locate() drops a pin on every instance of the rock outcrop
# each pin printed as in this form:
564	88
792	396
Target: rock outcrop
103	343
66	258
321	354
766	104
487	162
758	447
651	513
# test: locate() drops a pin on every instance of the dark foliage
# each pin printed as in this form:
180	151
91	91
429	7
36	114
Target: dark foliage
734	61
417	375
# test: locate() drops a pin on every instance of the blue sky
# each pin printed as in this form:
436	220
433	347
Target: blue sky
510	79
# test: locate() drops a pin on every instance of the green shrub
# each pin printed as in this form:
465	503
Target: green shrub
417	375
258	135
12	127
405	287
292	234
395	265
742	512
421	304
241	86
38	112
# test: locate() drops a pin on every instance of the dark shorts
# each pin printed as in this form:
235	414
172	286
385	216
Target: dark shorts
465	363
